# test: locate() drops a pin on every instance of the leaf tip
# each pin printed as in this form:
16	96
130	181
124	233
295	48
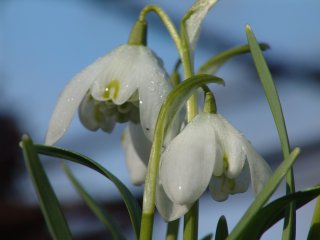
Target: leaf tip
248	28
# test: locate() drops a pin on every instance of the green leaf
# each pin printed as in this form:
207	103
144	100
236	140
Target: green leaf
264	195
49	204
222	231
207	237
275	106
214	63
275	211
100	213
314	232
131	203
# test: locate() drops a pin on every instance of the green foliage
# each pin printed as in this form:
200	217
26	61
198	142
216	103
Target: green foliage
49	204
131	203
263	196
275	107
101	214
222	231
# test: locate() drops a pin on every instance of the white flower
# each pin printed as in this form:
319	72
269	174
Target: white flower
137	150
209	151
130	77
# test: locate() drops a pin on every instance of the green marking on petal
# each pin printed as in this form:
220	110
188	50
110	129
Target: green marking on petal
225	162
112	88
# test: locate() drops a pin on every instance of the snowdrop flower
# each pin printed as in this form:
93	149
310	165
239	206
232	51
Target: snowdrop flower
115	88
208	151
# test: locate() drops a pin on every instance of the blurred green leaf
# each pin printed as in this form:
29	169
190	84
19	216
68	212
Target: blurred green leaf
49	204
101	214
314	232
207	237
131	203
275	107
275	211
222	231
214	63
264	195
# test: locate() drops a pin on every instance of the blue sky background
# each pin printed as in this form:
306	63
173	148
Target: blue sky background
43	44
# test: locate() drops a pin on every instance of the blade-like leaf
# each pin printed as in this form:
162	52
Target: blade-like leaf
207	237
131	203
275	211
49	204
314	232
264	195
275	106
214	63
101	214
222	231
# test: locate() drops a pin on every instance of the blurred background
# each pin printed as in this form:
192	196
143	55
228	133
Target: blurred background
43	44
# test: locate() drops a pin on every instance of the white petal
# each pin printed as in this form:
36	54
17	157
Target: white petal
168	210
188	161
259	169
242	181
70	99
119	78
154	86
86	112
200	9
232	141
136	166
216	188
140	143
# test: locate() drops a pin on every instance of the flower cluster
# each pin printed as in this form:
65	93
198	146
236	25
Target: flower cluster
130	85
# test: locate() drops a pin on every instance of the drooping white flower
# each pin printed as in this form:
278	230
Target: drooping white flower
209	151
130	77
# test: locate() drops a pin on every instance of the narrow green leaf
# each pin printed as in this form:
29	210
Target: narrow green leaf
275	211
214	63
314	232
222	231
131	203
264	195
48	201
100	213
275	106
173	230
207	237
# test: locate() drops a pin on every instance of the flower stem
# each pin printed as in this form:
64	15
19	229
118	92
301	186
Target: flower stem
166	22
191	223
146	225
173	230
191	218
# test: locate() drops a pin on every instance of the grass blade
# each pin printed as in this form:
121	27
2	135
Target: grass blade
100	213
275	107
275	211
214	63
49	204
264	195
314	232
131	203
222	231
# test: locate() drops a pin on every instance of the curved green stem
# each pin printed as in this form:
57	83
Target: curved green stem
190	228
166	22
